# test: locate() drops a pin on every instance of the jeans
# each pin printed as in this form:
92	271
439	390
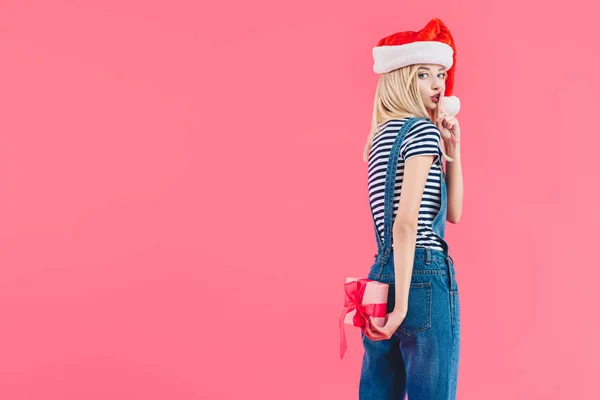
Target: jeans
421	358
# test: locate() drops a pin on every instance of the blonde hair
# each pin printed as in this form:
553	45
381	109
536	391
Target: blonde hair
397	96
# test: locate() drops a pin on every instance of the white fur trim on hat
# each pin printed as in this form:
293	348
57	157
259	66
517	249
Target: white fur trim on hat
389	58
451	105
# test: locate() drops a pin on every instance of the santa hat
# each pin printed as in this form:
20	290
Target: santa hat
431	45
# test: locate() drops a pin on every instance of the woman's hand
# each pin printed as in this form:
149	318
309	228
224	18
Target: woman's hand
449	128
392	322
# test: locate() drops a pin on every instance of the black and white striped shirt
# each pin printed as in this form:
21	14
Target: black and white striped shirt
422	139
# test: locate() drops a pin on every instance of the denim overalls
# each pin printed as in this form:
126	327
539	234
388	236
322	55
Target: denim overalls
422	356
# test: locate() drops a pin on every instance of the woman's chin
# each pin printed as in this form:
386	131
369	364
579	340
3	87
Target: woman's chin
431	107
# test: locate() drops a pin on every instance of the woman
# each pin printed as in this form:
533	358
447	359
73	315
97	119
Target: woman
417	351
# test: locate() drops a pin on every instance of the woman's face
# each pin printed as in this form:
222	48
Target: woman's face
432	83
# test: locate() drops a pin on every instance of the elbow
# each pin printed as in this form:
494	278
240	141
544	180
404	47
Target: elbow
406	227
453	219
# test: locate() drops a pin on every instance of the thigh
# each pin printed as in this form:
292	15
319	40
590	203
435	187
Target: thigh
383	375
429	339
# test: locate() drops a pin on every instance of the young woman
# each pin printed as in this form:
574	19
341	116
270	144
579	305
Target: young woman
411	198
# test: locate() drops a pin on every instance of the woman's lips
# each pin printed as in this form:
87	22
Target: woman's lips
435	98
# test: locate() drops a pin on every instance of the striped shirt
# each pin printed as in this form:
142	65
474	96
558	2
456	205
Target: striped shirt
422	139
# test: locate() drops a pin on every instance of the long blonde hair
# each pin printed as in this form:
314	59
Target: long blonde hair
397	96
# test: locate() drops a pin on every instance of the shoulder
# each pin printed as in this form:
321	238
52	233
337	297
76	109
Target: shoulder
423	138
387	131
423	128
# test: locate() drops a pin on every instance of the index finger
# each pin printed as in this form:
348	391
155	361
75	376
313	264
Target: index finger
441	103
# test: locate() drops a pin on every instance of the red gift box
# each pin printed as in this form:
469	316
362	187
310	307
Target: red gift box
364	298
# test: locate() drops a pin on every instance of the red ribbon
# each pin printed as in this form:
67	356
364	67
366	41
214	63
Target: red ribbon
355	291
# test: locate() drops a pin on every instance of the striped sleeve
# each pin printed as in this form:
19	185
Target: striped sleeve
423	139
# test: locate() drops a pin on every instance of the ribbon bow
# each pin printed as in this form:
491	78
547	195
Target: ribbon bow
355	291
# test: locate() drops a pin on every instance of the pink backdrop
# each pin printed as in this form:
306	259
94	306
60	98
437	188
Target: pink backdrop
182	195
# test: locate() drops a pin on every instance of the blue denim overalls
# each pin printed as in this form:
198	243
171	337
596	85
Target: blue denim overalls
422	356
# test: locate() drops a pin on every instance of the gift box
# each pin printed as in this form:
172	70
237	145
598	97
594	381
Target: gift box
364	298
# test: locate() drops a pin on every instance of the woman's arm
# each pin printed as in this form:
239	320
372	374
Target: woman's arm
454	181
416	170
404	231
450	131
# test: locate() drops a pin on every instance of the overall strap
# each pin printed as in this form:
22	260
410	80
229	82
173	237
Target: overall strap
439	221
385	247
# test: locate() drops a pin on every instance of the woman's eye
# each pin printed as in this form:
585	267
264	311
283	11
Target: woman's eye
442	76
423	75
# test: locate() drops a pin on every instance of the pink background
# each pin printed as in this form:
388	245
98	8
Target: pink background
169	168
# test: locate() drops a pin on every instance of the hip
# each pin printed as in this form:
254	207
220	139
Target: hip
427	262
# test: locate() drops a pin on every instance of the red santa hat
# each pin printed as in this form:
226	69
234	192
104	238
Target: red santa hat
431	45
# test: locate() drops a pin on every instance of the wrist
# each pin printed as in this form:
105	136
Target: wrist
400	308
452	150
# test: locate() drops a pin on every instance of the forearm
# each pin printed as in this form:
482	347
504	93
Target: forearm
454	179
405	238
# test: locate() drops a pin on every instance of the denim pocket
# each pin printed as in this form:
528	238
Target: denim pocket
418	317
455	310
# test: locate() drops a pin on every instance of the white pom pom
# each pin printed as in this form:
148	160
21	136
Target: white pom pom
451	104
